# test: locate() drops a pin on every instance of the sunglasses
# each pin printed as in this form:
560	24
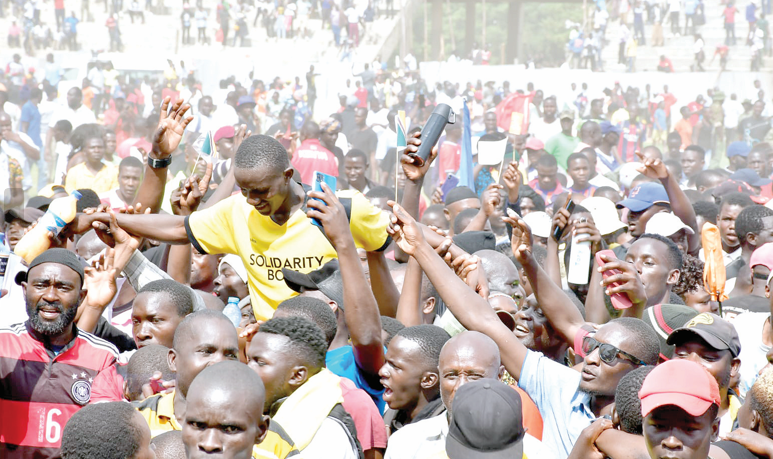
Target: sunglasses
608	353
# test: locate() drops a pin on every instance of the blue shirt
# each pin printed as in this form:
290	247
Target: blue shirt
564	408
341	362
30	114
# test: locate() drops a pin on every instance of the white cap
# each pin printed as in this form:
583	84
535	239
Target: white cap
604	214
539	222
235	262
666	224
628	172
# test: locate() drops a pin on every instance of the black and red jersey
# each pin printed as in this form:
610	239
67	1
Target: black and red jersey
41	389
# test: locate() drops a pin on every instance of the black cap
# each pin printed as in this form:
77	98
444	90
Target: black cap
326	279
472	241
716	331
486	422
28	214
39	202
58	256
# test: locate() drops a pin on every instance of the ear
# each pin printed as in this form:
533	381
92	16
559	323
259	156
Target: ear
171	359
429	380
756	421
447	214
673	277
288	173
615	417
299	375
501	373
767	291
735	367
429	305
751	238
715	429
262	430
82	295
334	306
126	390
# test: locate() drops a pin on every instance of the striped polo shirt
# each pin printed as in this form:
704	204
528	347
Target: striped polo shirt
41	389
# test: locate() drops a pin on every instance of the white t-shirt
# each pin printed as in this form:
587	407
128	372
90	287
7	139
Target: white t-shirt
331	440
15	151
13	306
753	352
352	15
542	130
76	117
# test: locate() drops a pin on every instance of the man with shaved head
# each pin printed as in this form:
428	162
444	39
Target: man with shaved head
466	357
224	415
202	339
502	275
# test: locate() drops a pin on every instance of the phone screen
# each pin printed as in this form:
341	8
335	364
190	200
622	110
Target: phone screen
318	179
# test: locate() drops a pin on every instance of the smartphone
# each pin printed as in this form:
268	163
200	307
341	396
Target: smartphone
451	182
156	385
619	300
558	231
318	179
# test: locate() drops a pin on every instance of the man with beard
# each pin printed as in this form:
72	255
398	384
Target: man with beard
49	368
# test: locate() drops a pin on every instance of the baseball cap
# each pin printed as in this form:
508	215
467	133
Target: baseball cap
472	241
716	331
245	100
235	262
628	172
330	125
762	255
645	196
566	114
486	422
534	143
326	279
750	177
607	127
738	148
682	383
539	222
225	132
27	214
39	202
664	319
604	214
666	224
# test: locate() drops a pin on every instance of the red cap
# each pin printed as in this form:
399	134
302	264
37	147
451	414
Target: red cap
763	255
225	132
534	144
681	383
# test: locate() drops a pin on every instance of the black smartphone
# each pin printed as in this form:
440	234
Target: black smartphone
558	231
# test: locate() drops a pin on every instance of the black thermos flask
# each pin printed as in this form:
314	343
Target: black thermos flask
441	116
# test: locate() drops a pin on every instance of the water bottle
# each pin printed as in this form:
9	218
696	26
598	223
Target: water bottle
61	212
437	121
232	311
5	253
579	260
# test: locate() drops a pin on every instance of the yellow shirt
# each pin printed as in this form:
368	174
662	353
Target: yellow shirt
158	411
233	226
80	177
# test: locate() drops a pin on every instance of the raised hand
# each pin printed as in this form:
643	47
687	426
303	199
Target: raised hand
331	213
413	171
512	179
437	196
627	280
156	385
586	230
404	229
171	127
100	281
653	168
491	199
239	136
186	198
521	242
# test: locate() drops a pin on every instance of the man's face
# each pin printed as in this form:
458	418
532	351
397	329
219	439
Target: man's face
649	257
758	162
14	231
600	378
219	423
692	162
53	292
758	108
225	147
95	150
670	432
203	269
527	206
5	126
74	98
402	374
452	210
737	162
579	170
533	329
228	284
285	118
110	142
490	122
566	125
597	107
460	364
355	168
534	155
264	188
766	235
611	138
328	138
360	116
637	221
680	239
546	177
719	363
549	108
727	216
206	106
269	356
154	319
129	179
207	343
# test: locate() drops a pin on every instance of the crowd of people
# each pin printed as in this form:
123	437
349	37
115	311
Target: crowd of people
206	303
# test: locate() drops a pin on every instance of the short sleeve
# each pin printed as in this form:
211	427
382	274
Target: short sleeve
368	223
211	230
544	380
15	173
26	114
107	386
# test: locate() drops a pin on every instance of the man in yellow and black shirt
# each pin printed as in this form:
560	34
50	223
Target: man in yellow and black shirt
266	225
201	340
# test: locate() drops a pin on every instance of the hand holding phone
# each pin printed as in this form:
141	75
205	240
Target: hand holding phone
317	179
559	231
619	300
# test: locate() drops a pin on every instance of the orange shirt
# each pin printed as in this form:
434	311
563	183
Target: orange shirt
532	420
684	128
88	96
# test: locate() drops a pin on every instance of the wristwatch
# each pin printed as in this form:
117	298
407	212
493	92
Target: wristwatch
159	163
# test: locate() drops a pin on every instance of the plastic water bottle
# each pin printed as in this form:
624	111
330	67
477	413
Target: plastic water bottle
232	311
5	253
579	261
61	212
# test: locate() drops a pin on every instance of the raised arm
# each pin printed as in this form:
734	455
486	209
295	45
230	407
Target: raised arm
362	315
164	228
472	311
414	175
491	201
409	307
382	284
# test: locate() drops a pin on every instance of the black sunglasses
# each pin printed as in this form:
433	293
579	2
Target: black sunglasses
608	353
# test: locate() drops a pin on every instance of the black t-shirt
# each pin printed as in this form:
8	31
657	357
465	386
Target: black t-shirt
735	450
758	127
746	303
364	140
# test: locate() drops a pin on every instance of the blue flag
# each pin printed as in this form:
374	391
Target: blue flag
466	177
